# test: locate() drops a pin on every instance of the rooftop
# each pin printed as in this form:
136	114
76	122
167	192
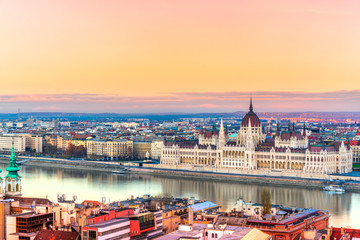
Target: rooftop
109	223
56	235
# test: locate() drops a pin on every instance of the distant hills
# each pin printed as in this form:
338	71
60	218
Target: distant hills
339	116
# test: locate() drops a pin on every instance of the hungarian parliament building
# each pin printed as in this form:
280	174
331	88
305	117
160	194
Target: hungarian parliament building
252	151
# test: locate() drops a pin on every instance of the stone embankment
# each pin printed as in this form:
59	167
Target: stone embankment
79	164
176	173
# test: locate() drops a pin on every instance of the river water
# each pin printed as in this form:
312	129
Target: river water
91	185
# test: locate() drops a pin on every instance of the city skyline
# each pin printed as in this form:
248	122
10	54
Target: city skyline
154	56
187	102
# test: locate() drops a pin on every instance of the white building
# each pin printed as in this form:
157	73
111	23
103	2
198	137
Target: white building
22	142
288	152
8	141
112	150
156	148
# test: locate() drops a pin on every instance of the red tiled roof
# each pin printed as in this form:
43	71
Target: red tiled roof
56	235
96	203
208	134
38	201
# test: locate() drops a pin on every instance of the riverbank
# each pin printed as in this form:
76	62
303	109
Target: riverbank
81	165
308	183
198	175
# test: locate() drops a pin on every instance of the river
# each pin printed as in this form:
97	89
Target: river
92	185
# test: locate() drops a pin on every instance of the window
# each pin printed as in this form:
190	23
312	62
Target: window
84	235
92	235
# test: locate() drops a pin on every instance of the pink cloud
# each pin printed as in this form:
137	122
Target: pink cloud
188	101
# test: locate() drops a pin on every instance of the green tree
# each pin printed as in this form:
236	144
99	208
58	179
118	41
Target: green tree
266	200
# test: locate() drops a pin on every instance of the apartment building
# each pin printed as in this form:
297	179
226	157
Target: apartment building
109	150
22	142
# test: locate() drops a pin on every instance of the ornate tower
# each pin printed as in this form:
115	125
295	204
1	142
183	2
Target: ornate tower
2	193
13	179
222	139
250	148
255	127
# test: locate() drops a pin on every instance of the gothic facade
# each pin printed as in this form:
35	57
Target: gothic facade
287	151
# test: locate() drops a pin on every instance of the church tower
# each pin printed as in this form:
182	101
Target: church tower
13	179
2	193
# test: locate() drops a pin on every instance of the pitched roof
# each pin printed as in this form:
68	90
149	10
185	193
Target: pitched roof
256	234
56	235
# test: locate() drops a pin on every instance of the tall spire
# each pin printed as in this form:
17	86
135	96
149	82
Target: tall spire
277	130
304	130
13	167
221	135
221	124
251	106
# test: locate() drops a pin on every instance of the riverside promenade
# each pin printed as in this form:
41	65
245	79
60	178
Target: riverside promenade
351	182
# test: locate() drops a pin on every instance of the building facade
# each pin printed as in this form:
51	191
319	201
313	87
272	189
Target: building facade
9	141
156	148
355	147
21	142
111	150
142	149
289	151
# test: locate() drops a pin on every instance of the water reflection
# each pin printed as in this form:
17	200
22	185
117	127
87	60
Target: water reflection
45	181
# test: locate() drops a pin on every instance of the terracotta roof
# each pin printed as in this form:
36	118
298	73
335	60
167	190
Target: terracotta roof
56	235
96	203
38	201
287	135
256	234
210	134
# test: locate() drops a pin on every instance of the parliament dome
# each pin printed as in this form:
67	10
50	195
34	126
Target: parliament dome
254	119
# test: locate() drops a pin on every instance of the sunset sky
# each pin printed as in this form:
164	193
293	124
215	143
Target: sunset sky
179	56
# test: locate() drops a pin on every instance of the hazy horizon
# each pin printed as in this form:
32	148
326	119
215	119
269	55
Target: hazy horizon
188	102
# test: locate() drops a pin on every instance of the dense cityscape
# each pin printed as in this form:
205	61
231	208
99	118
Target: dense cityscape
203	147
179	120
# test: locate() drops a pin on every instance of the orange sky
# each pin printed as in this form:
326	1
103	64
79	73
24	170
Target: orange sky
157	47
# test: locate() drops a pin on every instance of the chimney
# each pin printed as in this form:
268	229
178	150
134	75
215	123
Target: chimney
191	216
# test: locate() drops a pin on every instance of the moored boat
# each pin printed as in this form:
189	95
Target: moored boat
123	171
334	188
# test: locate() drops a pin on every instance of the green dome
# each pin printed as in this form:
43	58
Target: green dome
13	168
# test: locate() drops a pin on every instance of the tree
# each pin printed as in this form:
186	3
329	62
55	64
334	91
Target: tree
49	148
80	151
70	150
266	200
